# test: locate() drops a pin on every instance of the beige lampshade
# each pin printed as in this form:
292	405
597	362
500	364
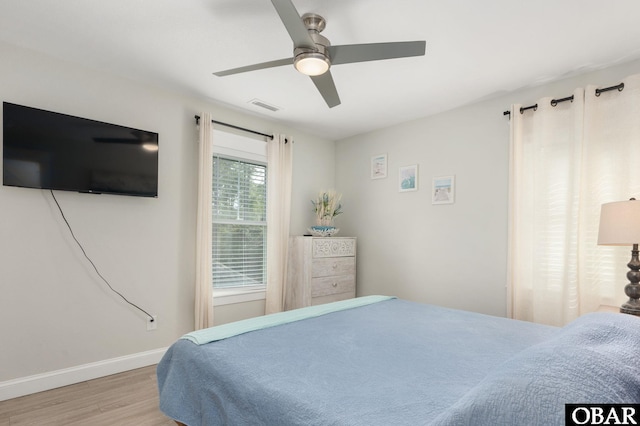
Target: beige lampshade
620	223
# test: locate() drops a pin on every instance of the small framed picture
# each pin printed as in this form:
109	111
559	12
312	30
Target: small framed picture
379	166
443	190
408	178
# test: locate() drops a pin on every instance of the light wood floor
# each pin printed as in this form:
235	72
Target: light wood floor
129	398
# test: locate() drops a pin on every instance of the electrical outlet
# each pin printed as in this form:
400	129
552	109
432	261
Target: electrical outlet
152	324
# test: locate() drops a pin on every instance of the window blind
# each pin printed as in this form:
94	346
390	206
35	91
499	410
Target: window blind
239	223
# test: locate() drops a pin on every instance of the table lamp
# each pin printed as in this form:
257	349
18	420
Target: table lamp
620	226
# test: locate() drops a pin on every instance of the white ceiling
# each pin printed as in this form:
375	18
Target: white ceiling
475	49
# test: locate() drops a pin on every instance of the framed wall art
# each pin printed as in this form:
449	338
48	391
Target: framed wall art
408	178
379	166
443	190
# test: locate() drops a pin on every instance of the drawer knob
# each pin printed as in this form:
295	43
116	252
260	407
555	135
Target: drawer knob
335	266
335	285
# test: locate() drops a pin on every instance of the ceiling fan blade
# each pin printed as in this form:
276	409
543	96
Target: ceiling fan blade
255	67
350	53
327	88
293	23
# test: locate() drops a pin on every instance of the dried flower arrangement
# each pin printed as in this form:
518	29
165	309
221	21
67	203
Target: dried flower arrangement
327	206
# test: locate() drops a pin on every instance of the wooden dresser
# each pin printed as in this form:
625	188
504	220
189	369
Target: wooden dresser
320	270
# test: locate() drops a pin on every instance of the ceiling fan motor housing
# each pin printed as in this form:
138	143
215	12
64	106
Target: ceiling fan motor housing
314	24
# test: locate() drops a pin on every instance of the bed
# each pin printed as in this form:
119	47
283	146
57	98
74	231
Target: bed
384	361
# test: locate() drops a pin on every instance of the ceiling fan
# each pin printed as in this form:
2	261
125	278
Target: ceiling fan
313	54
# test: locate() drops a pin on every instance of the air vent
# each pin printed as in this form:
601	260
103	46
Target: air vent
262	104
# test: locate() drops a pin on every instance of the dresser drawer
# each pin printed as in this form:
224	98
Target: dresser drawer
334	247
330	266
333	285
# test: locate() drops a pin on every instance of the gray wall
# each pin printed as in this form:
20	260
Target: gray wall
54	312
453	255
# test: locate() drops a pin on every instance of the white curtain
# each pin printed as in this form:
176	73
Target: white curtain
204	287
279	180
566	161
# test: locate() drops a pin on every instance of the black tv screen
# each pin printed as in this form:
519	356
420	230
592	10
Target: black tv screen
49	150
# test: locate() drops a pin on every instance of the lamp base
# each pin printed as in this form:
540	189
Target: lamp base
631	311
632	306
632	290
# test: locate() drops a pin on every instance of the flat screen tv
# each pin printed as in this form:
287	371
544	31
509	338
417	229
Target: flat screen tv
49	150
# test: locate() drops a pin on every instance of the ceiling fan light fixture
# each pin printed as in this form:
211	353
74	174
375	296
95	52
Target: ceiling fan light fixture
312	63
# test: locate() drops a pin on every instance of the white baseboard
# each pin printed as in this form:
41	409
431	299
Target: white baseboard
68	376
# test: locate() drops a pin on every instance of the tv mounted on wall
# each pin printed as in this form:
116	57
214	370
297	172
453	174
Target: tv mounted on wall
50	150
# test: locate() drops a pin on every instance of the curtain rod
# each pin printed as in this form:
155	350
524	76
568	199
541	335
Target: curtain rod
555	102
197	117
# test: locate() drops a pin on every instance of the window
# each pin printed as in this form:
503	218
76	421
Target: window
239	224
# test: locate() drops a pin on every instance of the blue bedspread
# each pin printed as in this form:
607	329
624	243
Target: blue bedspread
595	359
401	363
